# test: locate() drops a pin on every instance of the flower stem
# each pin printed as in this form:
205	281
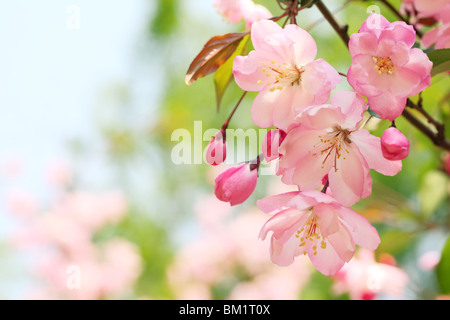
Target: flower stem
225	124
325	187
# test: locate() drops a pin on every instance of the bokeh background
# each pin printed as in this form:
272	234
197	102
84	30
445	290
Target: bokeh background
92	206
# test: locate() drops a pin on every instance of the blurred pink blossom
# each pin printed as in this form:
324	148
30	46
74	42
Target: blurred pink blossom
365	279
236	10
60	237
220	255
429	260
21	203
59	173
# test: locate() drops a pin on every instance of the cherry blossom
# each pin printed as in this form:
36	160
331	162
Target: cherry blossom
314	224
283	70
328	142
385	68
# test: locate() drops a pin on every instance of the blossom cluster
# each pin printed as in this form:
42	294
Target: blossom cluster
317	135
59	236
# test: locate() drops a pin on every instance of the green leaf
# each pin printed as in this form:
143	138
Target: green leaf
224	73
373	113
440	59
442	270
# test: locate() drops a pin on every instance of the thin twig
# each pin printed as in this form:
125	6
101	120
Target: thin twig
437	138
225	124
341	30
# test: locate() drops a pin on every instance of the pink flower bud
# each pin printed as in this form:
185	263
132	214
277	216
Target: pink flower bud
447	163
271	143
236	184
394	145
216	152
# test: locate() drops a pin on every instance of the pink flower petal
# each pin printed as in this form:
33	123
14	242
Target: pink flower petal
363	233
282	221
370	147
327	260
351	181
262	34
321	117
404	80
248	71
352	105
273	108
272	203
304	47
387	105
363	43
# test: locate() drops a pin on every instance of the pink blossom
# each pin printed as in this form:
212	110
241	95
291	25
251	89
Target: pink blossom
429	260
236	10
216	152
59	173
314	224
394	145
427	8
385	68
282	68
92	211
11	167
365	279
439	36
21	203
236	184
271	143
328	142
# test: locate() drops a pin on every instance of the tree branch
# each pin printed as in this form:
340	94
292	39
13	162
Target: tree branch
341	30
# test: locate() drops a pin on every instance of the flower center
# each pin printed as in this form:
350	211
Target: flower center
332	145
281	76
383	65
309	235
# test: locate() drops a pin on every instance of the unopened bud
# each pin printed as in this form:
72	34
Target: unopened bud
216	152
394	145
236	184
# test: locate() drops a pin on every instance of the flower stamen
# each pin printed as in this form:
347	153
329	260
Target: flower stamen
383	65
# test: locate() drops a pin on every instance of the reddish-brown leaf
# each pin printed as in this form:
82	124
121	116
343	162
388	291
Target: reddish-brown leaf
215	53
